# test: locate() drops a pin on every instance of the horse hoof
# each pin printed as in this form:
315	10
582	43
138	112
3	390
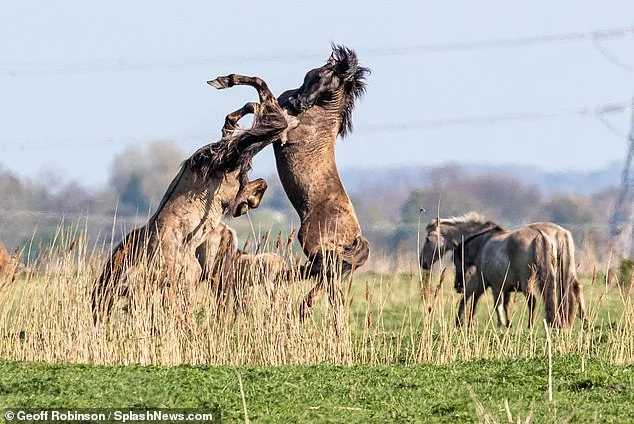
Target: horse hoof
219	83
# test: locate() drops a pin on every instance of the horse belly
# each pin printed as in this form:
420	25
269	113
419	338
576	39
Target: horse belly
328	227
497	268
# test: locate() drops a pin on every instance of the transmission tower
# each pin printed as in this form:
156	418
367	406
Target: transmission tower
622	218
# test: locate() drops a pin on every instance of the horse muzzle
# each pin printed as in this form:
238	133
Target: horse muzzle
299	103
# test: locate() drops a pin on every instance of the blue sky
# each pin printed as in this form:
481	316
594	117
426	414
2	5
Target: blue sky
79	81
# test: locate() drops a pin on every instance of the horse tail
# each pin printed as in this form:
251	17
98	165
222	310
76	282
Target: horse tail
545	258
567	278
105	288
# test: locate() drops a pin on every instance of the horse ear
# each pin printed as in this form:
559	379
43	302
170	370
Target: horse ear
331	60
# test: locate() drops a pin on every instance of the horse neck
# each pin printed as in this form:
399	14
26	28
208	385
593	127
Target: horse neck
459	232
189	206
473	244
306	163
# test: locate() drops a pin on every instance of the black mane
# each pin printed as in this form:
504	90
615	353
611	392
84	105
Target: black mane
218	157
347	67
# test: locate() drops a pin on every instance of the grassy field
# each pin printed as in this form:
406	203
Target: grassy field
398	356
457	392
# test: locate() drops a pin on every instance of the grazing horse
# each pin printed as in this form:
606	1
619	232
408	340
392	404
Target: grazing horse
446	234
506	261
210	182
330	234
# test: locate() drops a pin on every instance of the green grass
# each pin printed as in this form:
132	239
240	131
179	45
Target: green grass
411	364
325	393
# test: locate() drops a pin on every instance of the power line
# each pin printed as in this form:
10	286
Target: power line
497	119
506	42
17	69
597	111
612	57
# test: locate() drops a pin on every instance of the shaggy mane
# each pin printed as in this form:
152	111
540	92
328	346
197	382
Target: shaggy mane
220	156
347	68
468	218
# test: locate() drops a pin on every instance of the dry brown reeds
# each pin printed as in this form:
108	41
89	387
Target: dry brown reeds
45	315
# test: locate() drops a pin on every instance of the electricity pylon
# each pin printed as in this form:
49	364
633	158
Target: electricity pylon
622	217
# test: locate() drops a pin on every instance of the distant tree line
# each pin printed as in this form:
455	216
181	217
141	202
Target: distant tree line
389	213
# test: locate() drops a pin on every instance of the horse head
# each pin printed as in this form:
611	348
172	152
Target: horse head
338	83
434	245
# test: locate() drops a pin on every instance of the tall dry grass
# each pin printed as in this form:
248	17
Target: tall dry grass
383	317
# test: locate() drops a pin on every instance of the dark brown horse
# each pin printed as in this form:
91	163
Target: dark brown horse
211	182
330	234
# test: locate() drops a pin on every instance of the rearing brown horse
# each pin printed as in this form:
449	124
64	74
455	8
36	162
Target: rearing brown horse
214	180
330	234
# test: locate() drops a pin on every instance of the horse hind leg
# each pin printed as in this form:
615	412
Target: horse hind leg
102	303
530	299
305	308
578	296
325	273
500	308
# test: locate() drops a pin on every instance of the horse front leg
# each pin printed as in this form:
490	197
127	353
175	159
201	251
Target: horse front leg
464	299
582	308
507	301
477	294
470	293
269	119
236	79
499	307
231	120
249	197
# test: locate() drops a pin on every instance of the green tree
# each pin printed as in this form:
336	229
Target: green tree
132	195
140	176
406	231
